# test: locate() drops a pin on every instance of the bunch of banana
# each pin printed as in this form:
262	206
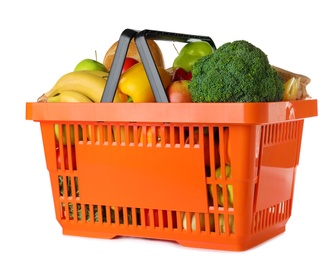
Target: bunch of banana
69	96
77	86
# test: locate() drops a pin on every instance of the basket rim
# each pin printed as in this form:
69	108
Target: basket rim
230	113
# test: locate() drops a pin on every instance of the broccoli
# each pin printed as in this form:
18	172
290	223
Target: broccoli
236	72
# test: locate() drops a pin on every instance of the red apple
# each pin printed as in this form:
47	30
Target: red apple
180	74
128	62
66	158
178	92
156	218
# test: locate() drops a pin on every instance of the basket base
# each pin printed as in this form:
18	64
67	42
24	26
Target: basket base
90	234
235	245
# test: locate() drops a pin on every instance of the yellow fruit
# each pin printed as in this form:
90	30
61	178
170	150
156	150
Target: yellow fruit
69	96
202	223
291	89
100	133
194	221
65	132
219	190
89	83
230	222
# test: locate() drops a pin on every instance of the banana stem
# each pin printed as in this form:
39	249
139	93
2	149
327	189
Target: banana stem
42	98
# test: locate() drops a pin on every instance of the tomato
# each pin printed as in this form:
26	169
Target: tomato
66	158
156	218
128	62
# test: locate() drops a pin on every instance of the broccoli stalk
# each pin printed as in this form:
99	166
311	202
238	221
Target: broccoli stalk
236	72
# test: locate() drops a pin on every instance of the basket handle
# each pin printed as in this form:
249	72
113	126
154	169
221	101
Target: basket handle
148	61
115	72
146	57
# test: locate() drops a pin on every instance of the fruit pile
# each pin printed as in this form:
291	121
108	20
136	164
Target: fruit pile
87	82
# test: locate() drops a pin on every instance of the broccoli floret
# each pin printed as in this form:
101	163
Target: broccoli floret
236	72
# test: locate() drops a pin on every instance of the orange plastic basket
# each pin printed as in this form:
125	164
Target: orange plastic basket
208	175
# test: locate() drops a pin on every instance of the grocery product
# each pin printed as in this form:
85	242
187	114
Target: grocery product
89	83
133	52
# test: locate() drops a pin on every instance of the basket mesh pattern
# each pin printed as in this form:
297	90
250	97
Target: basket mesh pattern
219	218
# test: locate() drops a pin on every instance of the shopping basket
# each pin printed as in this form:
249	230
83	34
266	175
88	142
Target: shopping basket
207	175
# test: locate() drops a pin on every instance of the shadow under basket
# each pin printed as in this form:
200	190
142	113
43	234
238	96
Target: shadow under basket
207	175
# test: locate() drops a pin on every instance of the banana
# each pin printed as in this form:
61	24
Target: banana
69	96
102	74
88	83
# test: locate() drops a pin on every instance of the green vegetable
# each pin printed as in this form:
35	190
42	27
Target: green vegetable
190	53
236	72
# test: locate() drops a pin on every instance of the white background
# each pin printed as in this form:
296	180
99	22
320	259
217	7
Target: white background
42	40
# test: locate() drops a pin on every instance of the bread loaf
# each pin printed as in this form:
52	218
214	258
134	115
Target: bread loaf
133	52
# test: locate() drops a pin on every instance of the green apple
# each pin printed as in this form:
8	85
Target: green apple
90	64
190	53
